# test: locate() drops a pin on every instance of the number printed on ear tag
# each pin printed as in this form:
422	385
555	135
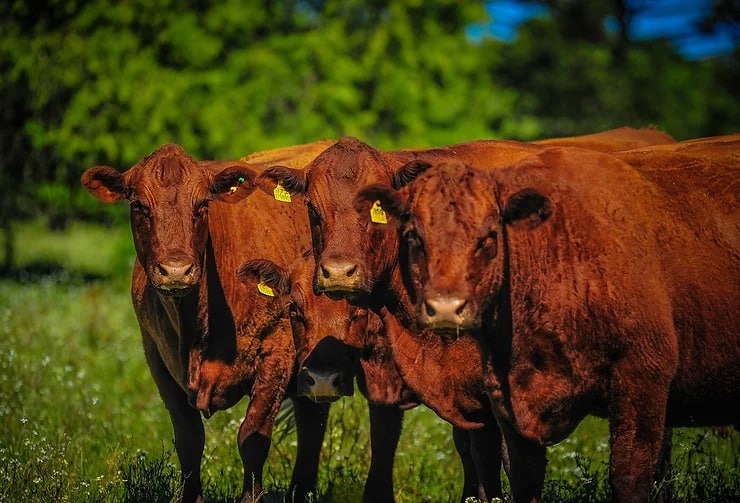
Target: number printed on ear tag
281	194
377	215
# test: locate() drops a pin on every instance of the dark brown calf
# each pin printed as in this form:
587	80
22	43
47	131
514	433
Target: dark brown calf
593	286
208	340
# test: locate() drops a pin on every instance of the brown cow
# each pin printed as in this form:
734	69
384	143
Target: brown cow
336	342
207	339
594	286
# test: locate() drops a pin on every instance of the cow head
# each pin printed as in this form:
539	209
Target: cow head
169	193
350	261
452	225
328	335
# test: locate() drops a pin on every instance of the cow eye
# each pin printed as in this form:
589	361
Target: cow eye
313	215
138	207
201	210
487	246
413	239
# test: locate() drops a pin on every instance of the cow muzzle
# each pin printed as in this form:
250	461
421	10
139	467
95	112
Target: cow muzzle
211	388
174	277
339	275
446	315
323	385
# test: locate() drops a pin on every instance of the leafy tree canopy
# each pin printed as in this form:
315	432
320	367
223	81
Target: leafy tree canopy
104	82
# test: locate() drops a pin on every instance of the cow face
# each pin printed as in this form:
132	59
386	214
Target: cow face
169	193
351	257
451	224
328	335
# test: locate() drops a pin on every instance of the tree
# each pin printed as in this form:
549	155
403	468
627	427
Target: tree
576	75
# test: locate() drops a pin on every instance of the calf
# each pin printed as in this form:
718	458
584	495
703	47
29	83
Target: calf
592	285
334	343
207	340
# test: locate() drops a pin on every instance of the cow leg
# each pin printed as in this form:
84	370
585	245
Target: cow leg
527	462
188	427
385	431
255	432
637	426
461	437
485	450
311	419
663	471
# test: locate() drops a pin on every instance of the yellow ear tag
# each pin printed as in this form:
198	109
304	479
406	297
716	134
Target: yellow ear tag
264	289
281	194
377	215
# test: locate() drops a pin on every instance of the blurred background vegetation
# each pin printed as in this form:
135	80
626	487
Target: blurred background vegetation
104	82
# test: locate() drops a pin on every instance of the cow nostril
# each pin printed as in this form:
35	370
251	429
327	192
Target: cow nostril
324	272
189	270
430	309
337	381
351	272
162	270
459	310
309	380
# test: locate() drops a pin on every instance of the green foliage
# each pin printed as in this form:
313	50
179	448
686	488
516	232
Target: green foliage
102	82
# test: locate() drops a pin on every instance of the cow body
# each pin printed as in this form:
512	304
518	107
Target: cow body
594	284
208	340
624	138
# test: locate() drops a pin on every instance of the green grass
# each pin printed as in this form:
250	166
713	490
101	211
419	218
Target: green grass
81	419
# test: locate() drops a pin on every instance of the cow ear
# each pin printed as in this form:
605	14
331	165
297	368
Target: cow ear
281	181
378	200
232	184
408	172
105	183
266	276
527	209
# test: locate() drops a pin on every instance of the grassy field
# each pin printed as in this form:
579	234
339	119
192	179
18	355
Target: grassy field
81	420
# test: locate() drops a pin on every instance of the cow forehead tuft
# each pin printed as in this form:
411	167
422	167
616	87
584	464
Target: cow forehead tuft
169	167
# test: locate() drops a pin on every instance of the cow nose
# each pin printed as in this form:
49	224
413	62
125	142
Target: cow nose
175	270
320	385
175	275
445	311
339	274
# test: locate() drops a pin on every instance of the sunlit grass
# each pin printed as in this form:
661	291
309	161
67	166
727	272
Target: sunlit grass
81	419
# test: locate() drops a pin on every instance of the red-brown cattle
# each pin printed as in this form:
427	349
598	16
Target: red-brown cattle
336	342
346	262
593	285
363	266
207	339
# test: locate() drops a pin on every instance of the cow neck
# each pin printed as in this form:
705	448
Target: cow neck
182	313
420	359
396	299
496	337
215	318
